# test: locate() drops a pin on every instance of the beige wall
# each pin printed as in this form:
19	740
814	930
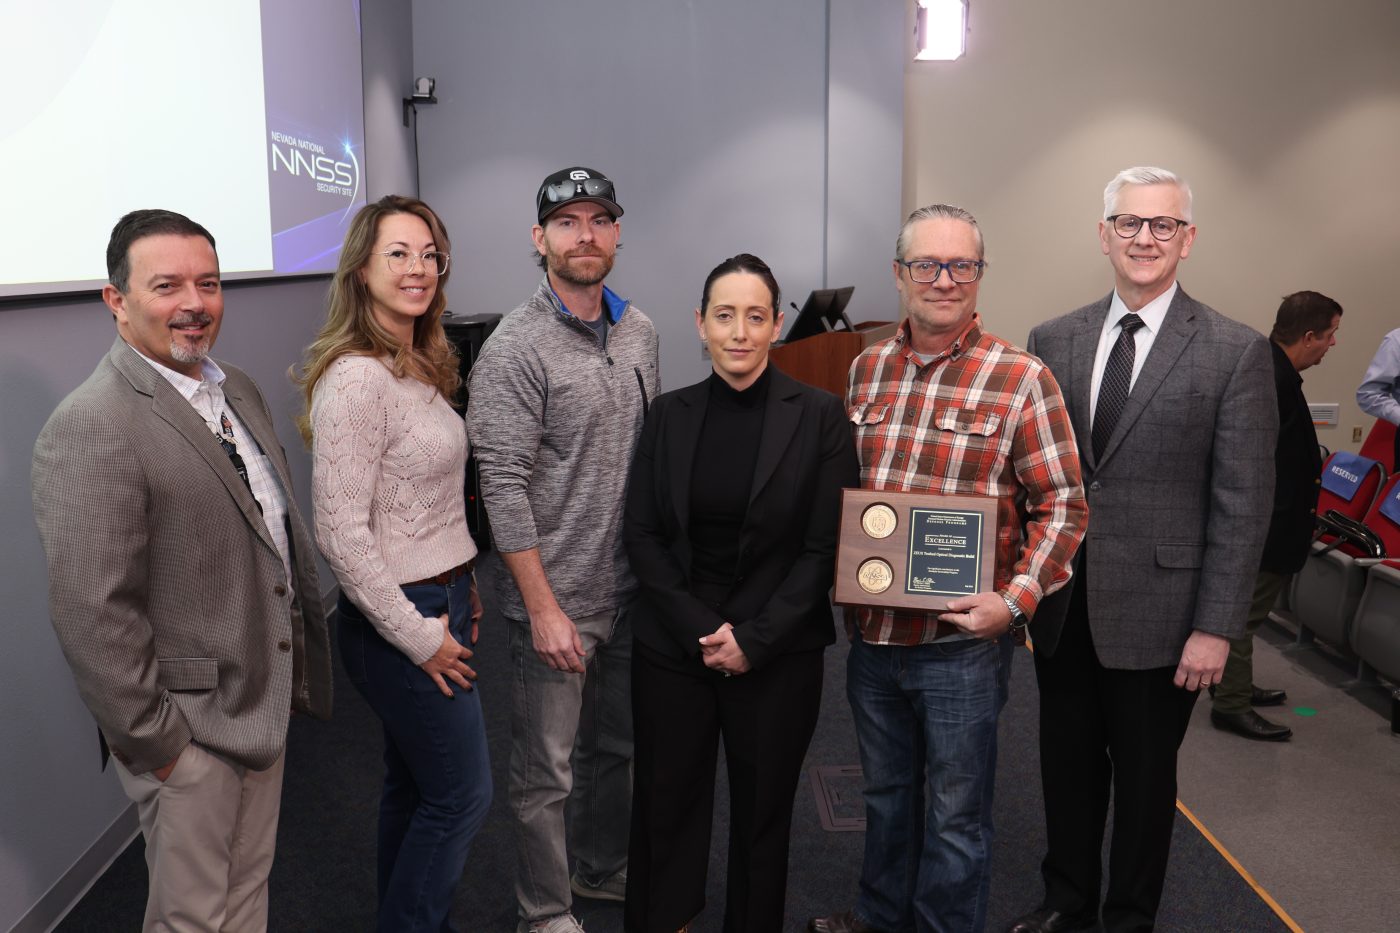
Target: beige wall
1283	114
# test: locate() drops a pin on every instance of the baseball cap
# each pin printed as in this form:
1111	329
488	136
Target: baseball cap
576	184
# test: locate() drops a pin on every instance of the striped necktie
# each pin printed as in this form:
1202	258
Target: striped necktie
1117	379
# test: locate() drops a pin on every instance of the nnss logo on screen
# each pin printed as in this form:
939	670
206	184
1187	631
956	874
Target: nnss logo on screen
304	158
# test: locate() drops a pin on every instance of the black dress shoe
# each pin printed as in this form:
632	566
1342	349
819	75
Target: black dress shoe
1250	725
844	922
1258	697
1046	920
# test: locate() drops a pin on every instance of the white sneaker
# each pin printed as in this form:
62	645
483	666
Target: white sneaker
611	888
564	923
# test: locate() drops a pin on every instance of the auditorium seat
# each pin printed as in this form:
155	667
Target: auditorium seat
1380	445
1324	594
1375	632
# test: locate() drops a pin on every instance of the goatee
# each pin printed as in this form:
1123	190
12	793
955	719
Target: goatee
181	349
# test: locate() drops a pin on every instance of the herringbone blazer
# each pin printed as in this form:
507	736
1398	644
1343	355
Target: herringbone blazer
1180	501
168	596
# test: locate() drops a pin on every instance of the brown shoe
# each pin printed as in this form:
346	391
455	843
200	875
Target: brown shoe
844	922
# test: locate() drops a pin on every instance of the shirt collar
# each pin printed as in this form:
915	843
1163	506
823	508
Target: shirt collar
183	384
1281	357
1153	314
613	303
969	337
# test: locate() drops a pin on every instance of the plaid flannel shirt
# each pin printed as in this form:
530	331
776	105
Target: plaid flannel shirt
983	418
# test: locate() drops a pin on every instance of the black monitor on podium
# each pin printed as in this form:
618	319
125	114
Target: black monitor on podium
824	310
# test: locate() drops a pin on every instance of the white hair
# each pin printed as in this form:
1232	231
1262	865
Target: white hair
1144	175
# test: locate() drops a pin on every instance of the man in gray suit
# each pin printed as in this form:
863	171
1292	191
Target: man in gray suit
182	583
1174	413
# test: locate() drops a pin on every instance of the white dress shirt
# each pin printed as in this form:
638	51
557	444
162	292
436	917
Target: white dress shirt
1153	314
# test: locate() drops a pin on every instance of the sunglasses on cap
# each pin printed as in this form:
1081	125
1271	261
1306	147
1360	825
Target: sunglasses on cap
588	187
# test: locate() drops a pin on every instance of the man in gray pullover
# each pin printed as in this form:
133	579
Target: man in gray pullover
557	400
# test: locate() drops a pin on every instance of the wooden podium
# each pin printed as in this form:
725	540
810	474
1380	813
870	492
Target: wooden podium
824	360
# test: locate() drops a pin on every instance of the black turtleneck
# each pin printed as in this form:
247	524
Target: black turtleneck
722	478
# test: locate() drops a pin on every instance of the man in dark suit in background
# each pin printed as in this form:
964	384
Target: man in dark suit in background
182	581
1305	328
1173	408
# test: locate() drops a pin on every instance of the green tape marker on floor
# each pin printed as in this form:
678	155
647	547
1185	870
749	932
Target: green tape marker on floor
1305	711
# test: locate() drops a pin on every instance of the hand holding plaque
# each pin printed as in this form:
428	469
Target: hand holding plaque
913	550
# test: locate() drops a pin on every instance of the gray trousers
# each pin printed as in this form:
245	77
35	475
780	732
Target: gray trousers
554	713
1237	682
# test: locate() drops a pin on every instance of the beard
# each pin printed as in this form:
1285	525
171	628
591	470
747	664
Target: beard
564	266
185	350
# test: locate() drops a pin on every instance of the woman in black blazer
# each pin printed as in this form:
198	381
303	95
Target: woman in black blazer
731	525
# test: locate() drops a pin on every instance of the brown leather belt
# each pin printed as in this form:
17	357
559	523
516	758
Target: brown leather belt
447	576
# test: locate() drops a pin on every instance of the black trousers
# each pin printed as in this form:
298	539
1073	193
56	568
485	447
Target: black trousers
681	709
1103	729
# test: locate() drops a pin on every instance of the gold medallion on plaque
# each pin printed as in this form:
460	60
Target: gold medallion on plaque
878	521
875	576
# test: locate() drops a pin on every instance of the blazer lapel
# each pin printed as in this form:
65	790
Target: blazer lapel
250	413
1084	347
1178	328
681	439
171	407
781	417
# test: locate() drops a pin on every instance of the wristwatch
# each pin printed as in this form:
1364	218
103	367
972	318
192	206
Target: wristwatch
1018	618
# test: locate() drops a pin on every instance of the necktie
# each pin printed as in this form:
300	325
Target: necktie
226	441
1117	378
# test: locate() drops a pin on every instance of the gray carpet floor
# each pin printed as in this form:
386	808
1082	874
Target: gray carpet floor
324	876
1315	820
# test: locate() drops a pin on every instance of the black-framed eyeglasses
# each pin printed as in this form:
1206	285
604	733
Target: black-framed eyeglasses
402	261
1161	228
583	187
927	271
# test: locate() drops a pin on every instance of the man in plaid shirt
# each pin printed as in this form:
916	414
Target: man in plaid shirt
944	407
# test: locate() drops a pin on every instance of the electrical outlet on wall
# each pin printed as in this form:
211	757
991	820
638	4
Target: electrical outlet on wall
1355	434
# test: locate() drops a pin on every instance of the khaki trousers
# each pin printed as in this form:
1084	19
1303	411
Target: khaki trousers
210	833
1237	682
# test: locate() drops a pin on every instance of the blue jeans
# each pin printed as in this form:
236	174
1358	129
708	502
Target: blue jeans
437	776
926	721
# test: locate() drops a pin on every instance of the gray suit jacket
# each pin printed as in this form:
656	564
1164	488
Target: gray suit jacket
1180	501
168	596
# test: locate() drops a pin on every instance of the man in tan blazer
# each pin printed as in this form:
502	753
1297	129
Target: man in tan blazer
182	582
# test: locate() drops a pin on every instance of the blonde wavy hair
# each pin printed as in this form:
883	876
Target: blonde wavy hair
351	327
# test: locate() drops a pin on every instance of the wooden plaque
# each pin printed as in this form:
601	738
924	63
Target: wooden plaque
913	550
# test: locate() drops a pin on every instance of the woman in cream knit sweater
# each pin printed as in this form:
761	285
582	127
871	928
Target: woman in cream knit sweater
388	456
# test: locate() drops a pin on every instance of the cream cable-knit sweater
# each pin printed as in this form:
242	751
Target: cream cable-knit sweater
388	459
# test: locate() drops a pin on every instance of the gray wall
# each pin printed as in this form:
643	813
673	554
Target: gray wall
712	119
61	819
1283	114
865	150
386	29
